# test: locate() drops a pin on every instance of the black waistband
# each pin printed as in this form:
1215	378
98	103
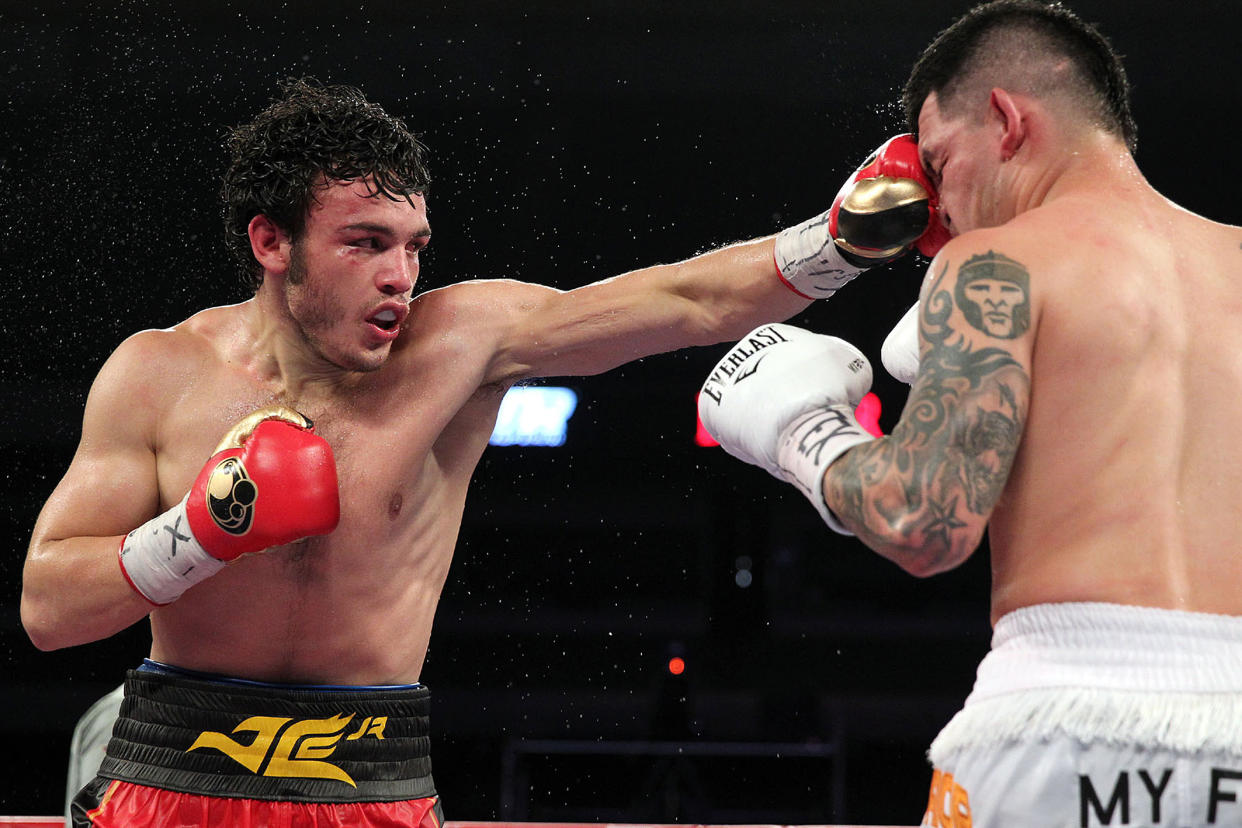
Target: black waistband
288	744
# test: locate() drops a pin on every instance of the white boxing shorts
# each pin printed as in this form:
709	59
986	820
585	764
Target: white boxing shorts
1097	714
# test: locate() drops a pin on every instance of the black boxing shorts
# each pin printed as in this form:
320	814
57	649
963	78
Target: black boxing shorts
193	750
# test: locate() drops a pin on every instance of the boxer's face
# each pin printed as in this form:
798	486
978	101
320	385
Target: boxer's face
957	156
352	273
997	299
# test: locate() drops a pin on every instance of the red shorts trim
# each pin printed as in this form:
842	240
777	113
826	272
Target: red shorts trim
126	805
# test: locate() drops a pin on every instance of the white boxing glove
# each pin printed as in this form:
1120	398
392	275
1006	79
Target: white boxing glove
900	353
783	399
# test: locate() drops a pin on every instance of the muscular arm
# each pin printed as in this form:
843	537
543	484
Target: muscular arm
713	297
923	495
72	587
723	294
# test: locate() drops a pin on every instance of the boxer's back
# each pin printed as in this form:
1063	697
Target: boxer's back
1126	486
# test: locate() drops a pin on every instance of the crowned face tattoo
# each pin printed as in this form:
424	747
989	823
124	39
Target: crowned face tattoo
993	292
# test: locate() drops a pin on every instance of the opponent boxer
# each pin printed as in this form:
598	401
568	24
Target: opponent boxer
291	591
1075	391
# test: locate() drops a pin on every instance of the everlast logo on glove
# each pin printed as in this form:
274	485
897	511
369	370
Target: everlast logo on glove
230	496
758	340
794	417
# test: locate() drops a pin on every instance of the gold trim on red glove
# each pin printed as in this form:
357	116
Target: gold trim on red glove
244	427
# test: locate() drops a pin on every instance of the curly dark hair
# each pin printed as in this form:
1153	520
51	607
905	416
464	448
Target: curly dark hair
1033	46
310	134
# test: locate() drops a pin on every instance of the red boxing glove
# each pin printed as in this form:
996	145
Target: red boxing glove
271	480
887	207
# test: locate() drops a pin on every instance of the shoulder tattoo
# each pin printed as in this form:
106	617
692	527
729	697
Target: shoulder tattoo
952	451
994	293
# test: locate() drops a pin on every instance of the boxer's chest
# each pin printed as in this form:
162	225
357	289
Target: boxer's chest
401	439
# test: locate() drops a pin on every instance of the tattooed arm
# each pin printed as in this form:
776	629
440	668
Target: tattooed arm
923	495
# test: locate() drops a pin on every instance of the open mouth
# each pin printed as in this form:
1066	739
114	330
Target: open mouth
385	320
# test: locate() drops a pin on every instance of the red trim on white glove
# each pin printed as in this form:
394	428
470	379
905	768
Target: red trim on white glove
785	281
162	559
808	261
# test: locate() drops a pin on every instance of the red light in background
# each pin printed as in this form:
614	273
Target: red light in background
701	437
868	414
676	665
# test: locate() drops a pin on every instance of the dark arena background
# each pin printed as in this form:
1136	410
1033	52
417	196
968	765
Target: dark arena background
569	141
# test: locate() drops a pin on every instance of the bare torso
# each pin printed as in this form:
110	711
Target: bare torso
1125	487
407	402
355	606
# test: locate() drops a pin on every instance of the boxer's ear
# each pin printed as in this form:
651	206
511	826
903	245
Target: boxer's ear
1007	111
270	245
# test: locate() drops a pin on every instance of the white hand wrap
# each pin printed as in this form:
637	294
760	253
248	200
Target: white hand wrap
900	353
782	399
809	261
811	444
162	559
